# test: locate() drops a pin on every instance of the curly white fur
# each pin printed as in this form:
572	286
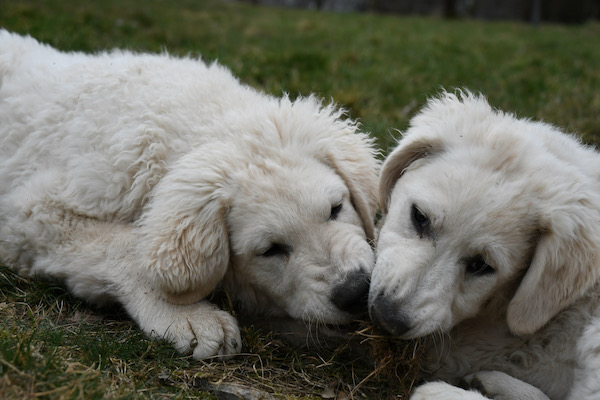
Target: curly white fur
149	180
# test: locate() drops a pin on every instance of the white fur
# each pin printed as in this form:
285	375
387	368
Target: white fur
149	180
469	186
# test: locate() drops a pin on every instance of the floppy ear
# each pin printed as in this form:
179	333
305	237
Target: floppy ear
407	152
358	168
566	263
183	231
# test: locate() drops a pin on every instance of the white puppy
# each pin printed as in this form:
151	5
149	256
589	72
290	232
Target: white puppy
149	180
491	245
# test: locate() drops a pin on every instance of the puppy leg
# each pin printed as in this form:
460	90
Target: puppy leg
200	329
444	391
500	386
98	262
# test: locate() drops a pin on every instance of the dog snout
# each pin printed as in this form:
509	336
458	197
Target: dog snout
352	294
385	314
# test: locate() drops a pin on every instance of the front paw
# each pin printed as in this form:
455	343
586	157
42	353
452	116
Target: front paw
500	386
201	329
444	391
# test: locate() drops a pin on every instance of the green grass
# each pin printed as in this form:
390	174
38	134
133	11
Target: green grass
381	68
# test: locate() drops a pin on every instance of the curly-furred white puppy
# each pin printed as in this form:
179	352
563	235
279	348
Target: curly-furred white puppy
491	246
149	180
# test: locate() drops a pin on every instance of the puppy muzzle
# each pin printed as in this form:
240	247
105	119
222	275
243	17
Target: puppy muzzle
386	315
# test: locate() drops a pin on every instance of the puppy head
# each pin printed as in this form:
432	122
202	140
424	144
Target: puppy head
284	212
297	243
482	212
301	221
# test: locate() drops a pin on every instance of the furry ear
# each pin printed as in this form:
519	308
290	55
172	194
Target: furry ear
183	230
407	152
359	172
566	263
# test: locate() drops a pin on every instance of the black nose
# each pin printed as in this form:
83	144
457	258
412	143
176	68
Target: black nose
387	316
352	294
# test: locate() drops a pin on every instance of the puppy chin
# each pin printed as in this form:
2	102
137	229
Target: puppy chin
425	328
321	313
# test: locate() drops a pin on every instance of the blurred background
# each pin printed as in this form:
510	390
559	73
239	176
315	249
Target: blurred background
567	11
380	59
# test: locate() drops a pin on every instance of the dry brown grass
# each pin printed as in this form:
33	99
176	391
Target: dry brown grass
54	346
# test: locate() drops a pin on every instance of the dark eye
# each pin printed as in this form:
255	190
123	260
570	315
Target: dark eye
420	220
477	266
276	250
335	210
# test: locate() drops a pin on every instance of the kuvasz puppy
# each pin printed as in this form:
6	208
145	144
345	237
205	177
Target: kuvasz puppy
149	180
490	245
